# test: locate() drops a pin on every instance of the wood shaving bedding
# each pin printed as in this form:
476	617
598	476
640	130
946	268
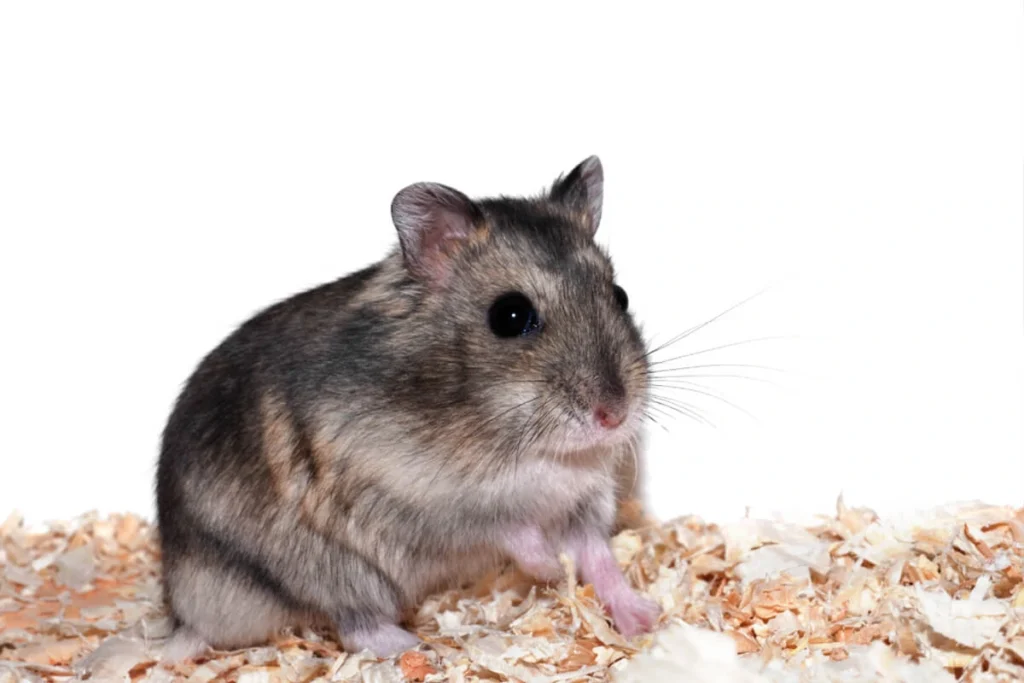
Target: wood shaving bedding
938	597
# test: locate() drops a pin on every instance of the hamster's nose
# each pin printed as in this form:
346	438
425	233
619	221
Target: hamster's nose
608	416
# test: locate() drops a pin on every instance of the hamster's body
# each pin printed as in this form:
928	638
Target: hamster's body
352	448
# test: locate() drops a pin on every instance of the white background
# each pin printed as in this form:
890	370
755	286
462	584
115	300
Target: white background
165	171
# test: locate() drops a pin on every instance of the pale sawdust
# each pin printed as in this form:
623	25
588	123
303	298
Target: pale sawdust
938	597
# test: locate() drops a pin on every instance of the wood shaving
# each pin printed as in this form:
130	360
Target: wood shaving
937	597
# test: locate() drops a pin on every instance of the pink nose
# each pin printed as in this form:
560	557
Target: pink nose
607	417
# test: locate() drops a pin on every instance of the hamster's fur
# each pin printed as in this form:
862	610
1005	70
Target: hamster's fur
351	449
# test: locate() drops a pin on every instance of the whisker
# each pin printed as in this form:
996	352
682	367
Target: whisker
753	366
719	347
516	451
683	376
469	438
535	429
634	448
676	403
647	416
686	333
691	387
669	406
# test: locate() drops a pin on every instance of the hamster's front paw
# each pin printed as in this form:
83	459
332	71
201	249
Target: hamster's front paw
543	570
633	613
385	641
533	554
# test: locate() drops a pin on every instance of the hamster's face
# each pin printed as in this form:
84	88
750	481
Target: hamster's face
525	329
552	356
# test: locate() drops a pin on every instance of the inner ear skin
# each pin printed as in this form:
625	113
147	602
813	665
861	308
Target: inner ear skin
432	221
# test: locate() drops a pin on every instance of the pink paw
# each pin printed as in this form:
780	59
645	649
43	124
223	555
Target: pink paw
385	641
634	614
543	571
533	554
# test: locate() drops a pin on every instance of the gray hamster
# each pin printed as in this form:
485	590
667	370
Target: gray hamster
466	401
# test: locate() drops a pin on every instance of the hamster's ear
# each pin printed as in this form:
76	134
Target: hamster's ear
582	190
432	221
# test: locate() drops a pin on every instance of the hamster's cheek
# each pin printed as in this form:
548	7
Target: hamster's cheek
513	401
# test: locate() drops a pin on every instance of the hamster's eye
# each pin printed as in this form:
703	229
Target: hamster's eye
512	315
621	297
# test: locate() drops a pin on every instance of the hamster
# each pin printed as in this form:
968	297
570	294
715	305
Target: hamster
466	401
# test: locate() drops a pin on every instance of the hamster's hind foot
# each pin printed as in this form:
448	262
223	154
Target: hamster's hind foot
183	644
533	554
384	641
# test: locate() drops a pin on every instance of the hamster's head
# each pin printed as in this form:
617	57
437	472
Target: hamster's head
524	315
